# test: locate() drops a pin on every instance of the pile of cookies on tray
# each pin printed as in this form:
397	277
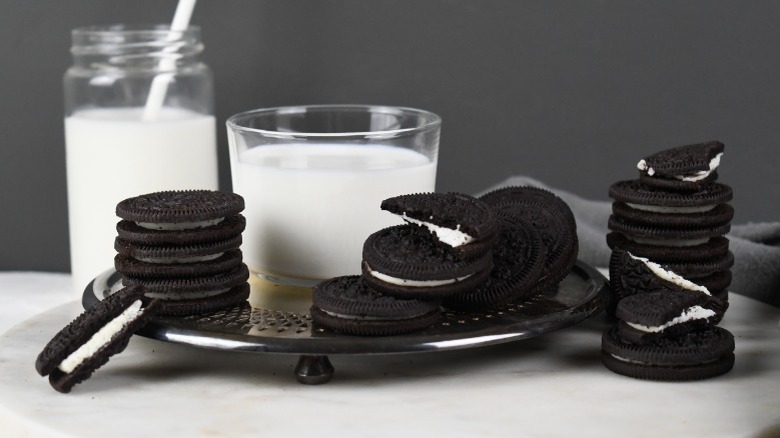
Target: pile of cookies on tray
455	252
670	268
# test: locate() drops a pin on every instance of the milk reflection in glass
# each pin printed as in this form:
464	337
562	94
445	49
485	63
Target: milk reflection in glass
310	207
112	155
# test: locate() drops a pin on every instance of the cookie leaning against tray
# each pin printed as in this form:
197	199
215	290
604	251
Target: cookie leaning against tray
670	268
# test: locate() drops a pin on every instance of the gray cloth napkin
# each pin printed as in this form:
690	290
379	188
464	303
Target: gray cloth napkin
756	246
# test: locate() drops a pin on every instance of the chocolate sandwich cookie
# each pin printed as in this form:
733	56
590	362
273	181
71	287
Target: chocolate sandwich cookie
630	274
224	229
93	337
641	196
647	317
180	209
406	261
518	261
349	305
554	220
176	253
720	214
189	295
457	220
695	355
666	236
682	168
667	251
224	262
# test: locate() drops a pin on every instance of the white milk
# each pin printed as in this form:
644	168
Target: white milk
111	155
309	208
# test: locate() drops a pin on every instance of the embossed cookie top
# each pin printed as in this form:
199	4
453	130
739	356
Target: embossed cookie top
180	206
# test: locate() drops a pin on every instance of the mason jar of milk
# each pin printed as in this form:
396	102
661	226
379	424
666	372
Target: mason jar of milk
138	119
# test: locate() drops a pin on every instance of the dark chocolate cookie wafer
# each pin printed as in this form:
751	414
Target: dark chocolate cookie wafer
93	337
460	221
518	260
349	305
180	207
694	355
648	316
554	220
225	229
682	168
406	261
719	215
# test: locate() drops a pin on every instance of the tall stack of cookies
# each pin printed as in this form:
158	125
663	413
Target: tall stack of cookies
182	247
670	265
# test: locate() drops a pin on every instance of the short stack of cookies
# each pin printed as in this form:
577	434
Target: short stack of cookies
670	268
667	326
182	247
455	252
677	214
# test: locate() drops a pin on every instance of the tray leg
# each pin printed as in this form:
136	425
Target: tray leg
313	370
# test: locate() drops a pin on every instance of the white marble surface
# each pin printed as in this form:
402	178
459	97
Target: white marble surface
552	385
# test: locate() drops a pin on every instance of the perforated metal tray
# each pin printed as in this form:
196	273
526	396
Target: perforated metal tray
276	320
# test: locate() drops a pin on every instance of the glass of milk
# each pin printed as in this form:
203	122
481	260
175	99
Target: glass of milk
117	146
313	178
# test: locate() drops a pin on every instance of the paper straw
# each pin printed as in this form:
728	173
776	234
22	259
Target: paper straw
156	97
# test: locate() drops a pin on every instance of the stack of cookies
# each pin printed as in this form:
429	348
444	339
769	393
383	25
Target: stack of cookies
455	251
182	247
670	268
666	327
677	214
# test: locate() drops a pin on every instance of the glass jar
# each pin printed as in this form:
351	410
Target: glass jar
138	119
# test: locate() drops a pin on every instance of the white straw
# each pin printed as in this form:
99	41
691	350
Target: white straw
159	87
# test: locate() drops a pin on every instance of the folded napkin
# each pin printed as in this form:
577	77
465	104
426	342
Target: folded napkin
756	246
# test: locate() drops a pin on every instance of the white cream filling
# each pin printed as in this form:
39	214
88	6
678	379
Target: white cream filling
179	226
453	238
701	174
671	210
193	259
671	276
185	295
415	283
689	314
694	176
356	317
101	338
669	242
623	359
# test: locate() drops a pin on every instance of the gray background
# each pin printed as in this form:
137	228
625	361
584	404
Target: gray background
570	92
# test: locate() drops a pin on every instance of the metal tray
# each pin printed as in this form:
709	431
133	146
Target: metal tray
276	320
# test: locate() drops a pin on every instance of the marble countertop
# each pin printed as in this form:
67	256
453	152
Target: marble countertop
551	385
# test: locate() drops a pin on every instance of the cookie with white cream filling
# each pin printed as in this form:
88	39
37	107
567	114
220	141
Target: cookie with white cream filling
88	342
408	262
682	168
349	305
666	312
457	220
